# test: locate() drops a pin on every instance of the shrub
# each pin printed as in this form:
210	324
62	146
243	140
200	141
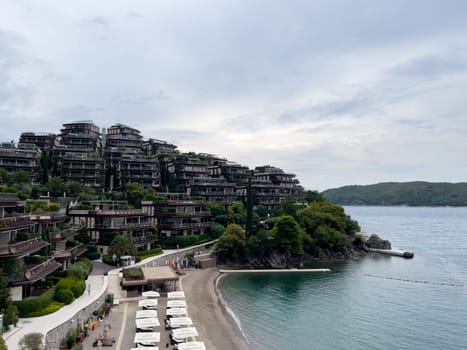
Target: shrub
133	274
28	306
78	288
78	270
10	315
147	253
67	282
51	308
31	341
64	296
54	207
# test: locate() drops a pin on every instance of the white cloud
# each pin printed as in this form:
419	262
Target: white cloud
336	92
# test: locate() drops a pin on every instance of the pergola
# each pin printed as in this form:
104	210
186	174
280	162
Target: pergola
161	276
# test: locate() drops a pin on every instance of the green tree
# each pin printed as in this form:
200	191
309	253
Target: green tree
289	235
21	177
237	214
314	196
231	245
73	188
135	194
289	206
121	245
31	341
7	308
55	186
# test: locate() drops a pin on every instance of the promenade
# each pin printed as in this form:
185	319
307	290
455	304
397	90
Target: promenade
103	279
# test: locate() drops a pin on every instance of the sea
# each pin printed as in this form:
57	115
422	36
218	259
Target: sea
372	302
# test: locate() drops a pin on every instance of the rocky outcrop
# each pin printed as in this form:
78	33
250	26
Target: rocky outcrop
376	242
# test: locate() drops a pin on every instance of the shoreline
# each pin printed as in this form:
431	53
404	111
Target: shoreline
216	325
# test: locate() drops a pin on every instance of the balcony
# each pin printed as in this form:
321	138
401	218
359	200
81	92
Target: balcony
63	234
187	226
23	248
35	273
186	214
144	240
15	222
126	227
70	253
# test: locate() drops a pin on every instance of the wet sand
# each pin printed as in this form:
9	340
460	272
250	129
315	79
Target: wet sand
215	326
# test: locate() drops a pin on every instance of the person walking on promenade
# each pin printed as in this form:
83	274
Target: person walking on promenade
89	288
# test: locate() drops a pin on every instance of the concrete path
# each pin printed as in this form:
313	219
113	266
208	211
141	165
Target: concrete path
100	283
46	323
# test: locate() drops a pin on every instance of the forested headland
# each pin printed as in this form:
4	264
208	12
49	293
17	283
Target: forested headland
416	193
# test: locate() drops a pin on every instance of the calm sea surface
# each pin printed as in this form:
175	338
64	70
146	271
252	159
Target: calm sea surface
375	302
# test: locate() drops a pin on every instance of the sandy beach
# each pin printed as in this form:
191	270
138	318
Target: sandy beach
214	324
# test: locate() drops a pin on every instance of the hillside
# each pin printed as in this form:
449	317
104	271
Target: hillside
401	193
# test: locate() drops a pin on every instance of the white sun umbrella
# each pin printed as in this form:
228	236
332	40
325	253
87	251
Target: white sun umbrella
150	322
177	322
151	294
149	339
186	332
176	303
148	303
146	313
176	295
176	311
192	345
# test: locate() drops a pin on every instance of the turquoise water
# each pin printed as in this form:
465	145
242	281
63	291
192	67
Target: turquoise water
374	302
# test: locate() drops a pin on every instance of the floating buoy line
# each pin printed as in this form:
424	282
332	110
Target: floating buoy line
415	281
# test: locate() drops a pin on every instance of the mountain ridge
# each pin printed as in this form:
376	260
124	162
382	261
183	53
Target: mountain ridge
413	193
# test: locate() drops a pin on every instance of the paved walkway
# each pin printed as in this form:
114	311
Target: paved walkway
100	284
46	323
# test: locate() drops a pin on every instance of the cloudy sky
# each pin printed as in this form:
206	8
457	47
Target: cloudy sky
337	92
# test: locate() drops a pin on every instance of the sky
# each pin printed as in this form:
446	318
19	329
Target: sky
337	92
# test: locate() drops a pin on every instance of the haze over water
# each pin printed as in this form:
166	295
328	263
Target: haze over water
375	302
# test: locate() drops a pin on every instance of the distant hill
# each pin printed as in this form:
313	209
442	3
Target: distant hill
417	193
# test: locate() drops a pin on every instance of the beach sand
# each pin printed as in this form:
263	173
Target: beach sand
215	326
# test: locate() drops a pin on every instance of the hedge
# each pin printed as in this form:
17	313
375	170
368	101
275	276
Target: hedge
53	306
78	288
147	253
185	241
67	282
28	306
64	296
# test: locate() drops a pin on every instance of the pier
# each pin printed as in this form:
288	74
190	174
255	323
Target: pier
272	270
395	252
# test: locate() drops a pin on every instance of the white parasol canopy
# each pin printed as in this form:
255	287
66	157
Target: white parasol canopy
176	303
147	322
192	345
151	294
185	332
147	338
146	313
176	295
176	311
148	303
177	322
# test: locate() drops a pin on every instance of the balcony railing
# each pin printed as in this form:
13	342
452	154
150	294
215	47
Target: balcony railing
35	273
187	214
64	234
23	248
143	240
148	225
14	222
195	225
70	253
